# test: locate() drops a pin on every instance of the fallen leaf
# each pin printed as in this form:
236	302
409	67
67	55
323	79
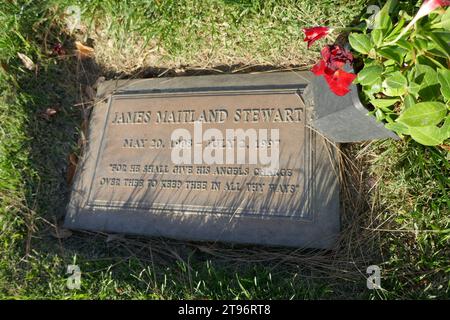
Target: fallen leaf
85	126
71	168
90	92
49	112
119	290
445	147
4	66
98	82
83	51
73	159
27	62
61	233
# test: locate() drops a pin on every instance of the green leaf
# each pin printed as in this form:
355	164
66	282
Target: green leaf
383	103
405	44
445	21
444	80
427	78
413	89
397	127
373	88
445	129
377	37
396	31
440	44
393	53
360	42
379	114
389	6
382	19
429	61
389	63
437	53
389	69
409	101
420	44
382	22
393	92
370	74
444	35
428	136
396	80
423	114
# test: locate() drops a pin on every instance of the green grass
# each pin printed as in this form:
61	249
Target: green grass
207	33
413	195
408	206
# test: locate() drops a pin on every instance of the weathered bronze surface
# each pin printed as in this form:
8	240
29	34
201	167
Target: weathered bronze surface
128	181
134	166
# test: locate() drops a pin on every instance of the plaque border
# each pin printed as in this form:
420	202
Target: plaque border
308	211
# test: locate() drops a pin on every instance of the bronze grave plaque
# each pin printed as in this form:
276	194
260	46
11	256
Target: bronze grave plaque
219	158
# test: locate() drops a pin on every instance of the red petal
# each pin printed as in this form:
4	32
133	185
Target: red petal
312	40
319	68
325	52
430	5
340	81
335	57
314	34
329	71
336	64
345	77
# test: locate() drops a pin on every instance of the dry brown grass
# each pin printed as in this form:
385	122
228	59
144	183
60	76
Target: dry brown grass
344	267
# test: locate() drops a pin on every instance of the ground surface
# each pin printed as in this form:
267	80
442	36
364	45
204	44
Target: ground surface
395	202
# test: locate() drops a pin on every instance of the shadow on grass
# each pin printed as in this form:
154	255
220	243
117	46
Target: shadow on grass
195	270
146	262
134	267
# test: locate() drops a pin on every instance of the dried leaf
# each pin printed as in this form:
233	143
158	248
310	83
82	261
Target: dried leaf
180	71
27	62
4	66
61	233
71	167
445	147
84	126
90	92
83	51
98	82
119	290
73	159
51	111
82	141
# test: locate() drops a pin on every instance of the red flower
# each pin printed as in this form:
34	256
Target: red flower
334	58
315	33
425	9
340	81
59	49
430	5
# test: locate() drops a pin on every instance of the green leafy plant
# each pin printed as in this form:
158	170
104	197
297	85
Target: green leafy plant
402	66
405	74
